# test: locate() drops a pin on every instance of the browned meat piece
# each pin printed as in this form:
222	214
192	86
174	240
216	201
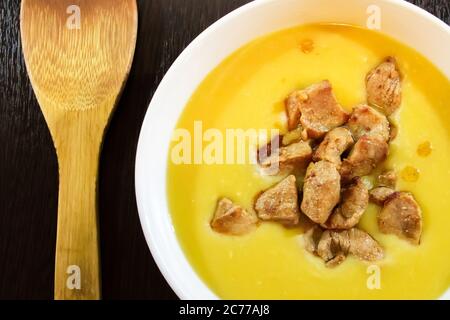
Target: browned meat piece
380	194
321	191
363	246
367	153
387	179
312	238
334	246
317	110
355	199
294	155
280	203
292	103
402	216
232	219
383	85
336	142
365	120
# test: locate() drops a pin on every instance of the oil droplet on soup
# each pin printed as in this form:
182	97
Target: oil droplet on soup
307	46
245	91
410	174
424	149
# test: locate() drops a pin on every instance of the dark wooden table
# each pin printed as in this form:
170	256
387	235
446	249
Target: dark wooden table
29	169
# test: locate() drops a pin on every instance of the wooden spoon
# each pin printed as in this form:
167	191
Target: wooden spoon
78	59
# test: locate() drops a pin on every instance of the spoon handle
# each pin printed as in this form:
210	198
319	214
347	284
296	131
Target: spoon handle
77	274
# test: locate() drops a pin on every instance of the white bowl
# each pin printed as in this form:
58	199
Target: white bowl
401	20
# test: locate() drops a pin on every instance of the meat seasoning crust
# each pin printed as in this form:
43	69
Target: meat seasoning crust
279	203
321	191
316	109
232	219
383	85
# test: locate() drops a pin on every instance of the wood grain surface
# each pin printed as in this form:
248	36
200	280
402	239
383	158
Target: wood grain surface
29	168
77	97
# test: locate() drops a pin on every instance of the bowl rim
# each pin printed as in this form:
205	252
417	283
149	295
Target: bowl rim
157	255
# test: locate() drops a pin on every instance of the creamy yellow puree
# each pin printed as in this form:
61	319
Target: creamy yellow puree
247	91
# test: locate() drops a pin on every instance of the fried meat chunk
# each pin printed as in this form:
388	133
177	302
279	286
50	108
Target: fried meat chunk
401	216
321	191
336	142
355	199
383	85
365	120
316	109
365	156
280	203
232	219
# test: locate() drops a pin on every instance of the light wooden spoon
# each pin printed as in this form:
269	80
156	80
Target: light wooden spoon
78	59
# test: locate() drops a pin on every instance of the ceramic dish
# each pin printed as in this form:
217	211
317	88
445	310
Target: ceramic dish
400	20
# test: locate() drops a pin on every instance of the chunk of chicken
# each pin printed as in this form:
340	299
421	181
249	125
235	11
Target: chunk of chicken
367	153
380	194
294	155
317	110
355	199
363	246
312	238
232	219
293	113
402	216
321	191
336	142
387	179
383	86
365	120
280	203
334	246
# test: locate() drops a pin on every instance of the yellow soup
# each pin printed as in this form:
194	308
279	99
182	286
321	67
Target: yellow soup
247	91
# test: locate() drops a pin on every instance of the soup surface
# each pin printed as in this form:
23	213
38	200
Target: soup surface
247	91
